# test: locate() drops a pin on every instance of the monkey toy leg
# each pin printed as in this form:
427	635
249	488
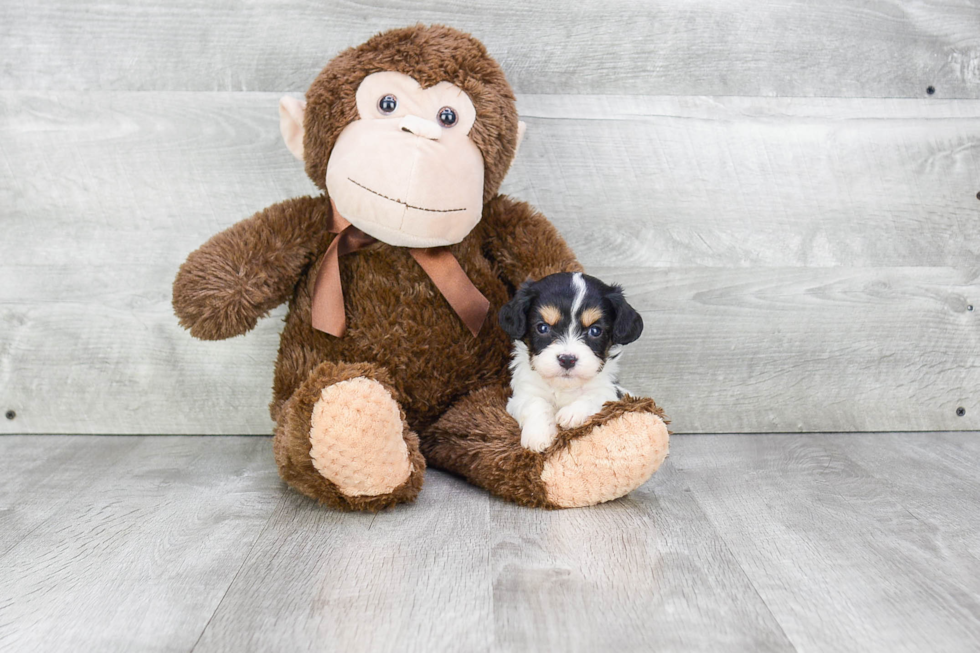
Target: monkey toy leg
613	453
342	439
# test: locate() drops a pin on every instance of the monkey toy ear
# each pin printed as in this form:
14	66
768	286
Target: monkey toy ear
513	316
521	129
291	113
628	324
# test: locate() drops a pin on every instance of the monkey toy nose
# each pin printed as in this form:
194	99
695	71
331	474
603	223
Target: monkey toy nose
567	361
420	127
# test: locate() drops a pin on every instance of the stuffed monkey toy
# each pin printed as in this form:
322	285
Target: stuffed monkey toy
391	357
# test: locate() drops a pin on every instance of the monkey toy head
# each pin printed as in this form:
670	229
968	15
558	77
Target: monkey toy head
410	134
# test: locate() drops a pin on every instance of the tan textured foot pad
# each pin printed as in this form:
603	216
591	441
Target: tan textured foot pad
356	436
611	461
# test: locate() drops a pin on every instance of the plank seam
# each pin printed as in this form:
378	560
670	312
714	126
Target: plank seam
245	560
748	579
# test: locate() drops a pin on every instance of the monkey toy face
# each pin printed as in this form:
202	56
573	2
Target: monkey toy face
408	146
406	171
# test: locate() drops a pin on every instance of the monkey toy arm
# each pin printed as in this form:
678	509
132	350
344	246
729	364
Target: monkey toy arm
523	243
242	273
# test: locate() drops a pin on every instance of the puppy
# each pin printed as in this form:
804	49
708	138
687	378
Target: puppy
568	331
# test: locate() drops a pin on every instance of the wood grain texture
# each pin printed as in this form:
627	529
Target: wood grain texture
743	182
948	462
826	541
803	265
806	349
835	542
838	48
647	572
415	578
142	551
40	476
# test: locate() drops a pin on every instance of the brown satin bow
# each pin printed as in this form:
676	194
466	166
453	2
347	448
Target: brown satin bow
438	262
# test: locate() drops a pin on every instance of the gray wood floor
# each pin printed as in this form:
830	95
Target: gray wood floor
740	542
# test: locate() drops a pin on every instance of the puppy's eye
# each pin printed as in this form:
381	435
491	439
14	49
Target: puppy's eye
543	328
447	116
387	104
595	331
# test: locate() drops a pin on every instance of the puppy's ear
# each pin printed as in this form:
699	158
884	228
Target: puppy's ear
513	316
627	323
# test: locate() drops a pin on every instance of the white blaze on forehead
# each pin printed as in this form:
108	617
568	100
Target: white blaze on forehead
578	285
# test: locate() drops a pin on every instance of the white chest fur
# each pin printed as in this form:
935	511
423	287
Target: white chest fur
540	406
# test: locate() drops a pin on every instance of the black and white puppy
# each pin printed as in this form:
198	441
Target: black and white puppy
568	331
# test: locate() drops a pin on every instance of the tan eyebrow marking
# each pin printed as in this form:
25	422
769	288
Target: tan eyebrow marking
590	316
550	314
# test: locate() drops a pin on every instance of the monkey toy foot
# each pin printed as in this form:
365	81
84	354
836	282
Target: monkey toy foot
343	440
611	454
356	438
606	460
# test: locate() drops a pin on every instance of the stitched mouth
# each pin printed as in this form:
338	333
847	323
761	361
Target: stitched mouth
405	204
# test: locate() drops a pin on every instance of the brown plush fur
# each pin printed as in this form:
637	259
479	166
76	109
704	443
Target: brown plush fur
242	273
398	320
478	440
401	331
291	444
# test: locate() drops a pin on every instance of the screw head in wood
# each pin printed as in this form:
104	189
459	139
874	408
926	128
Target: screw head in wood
930	90
969	307
11	414
960	412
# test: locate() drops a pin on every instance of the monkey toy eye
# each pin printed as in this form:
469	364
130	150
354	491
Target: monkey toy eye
543	328
388	104
595	331
447	116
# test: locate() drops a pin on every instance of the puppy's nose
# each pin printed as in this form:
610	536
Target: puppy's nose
567	361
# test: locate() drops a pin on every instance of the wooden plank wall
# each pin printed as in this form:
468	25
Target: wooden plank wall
792	209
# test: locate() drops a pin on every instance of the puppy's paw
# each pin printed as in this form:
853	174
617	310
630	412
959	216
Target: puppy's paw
574	414
537	435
